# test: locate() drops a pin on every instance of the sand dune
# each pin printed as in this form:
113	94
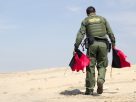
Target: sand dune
59	85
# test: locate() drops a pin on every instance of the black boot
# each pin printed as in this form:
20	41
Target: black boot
100	88
89	91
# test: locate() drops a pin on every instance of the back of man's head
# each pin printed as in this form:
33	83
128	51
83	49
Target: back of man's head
90	9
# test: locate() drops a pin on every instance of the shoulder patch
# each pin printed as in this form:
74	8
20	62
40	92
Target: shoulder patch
94	20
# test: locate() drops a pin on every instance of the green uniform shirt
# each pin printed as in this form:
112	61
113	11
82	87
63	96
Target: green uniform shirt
95	26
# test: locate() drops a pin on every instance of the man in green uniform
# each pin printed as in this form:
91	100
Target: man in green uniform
97	30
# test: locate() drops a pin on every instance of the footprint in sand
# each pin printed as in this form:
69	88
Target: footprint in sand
117	89
32	89
133	79
5	92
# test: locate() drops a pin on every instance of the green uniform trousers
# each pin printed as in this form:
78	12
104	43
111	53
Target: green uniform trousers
98	55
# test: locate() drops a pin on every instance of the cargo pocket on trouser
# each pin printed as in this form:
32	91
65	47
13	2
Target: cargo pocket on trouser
90	78
101	75
106	62
101	67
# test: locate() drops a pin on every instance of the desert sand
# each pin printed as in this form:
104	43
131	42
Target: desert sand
63	85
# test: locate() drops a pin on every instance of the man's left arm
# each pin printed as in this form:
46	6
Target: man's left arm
110	33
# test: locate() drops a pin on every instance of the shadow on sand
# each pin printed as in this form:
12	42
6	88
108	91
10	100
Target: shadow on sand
78	92
75	92
71	92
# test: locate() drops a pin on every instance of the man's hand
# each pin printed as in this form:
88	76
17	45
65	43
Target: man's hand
113	45
75	49
74	52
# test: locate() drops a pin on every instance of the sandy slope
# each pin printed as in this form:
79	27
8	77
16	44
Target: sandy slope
54	85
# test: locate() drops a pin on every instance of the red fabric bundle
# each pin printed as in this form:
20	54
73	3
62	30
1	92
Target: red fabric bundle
119	59
79	61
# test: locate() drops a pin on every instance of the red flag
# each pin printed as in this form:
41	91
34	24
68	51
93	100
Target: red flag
79	61
119	59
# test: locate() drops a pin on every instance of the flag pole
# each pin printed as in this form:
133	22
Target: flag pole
111	73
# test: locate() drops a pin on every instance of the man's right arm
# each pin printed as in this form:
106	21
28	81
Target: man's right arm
80	35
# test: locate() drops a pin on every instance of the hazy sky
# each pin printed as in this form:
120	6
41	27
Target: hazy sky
41	33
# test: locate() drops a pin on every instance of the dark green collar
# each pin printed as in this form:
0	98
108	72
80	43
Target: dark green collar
92	14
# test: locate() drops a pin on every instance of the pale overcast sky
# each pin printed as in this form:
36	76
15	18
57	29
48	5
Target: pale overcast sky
41	33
